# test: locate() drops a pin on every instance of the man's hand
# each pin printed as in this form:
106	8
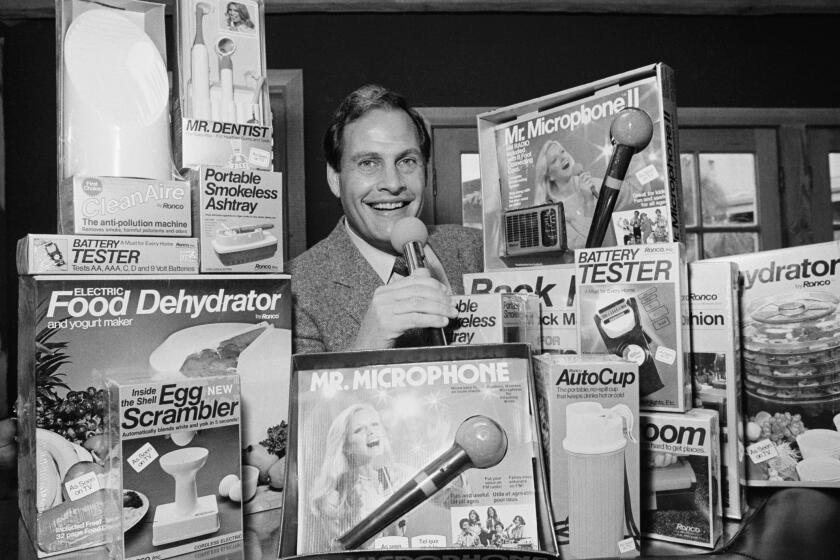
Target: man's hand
416	302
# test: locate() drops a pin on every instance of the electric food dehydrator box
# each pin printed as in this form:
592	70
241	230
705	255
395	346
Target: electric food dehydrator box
589	416
225	117
178	454
555	286
114	155
790	330
631	303
76	330
77	254
543	161
374	427
496	318
681	488
239	219
714	320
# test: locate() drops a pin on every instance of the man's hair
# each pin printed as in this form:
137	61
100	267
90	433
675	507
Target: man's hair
358	104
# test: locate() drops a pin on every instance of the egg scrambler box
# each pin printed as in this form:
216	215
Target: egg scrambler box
716	367
372	427
681	499
790	331
555	287
124	206
178	450
589	418
75	330
630	303
239	216
496	318
75	254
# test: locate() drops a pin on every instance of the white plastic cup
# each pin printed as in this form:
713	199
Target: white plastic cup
595	444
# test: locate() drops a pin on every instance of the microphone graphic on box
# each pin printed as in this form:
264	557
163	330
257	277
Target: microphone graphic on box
479	443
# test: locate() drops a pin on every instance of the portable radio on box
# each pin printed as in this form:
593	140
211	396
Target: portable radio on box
539	229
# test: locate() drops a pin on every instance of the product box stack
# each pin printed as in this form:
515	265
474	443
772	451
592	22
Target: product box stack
116	298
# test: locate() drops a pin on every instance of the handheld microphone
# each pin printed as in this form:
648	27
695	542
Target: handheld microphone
479	443
408	237
630	132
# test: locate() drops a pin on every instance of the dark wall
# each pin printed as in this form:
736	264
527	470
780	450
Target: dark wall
441	60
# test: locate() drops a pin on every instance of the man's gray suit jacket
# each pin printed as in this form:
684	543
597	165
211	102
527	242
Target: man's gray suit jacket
333	284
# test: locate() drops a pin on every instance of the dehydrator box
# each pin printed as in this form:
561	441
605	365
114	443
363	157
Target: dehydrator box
76	330
790	329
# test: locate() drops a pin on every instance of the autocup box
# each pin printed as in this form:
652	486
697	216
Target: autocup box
72	254
589	417
495	318
76	330
239	217
555	286
224	105
418	448
630	304
681	488
178	450
714	320
791	362
543	162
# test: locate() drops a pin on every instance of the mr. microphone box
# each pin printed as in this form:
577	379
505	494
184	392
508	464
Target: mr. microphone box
544	160
555	287
420	448
496	318
631	304
589	416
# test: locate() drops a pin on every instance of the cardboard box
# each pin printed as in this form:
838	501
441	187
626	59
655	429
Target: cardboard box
555	287
240	219
73	254
714	320
408	406
179	455
681	499
496	318
113	97
124	206
589	418
73	330
631	303
225	116
790	332
518	143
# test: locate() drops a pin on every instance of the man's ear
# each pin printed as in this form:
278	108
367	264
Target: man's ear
334	181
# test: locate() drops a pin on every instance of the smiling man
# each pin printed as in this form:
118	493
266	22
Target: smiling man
347	293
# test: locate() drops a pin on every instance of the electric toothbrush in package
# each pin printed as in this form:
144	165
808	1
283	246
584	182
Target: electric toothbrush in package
114	152
177	442
222	82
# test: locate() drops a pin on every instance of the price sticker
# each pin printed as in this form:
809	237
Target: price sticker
82	486
143	457
647	174
762	451
666	355
259	157
626	545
